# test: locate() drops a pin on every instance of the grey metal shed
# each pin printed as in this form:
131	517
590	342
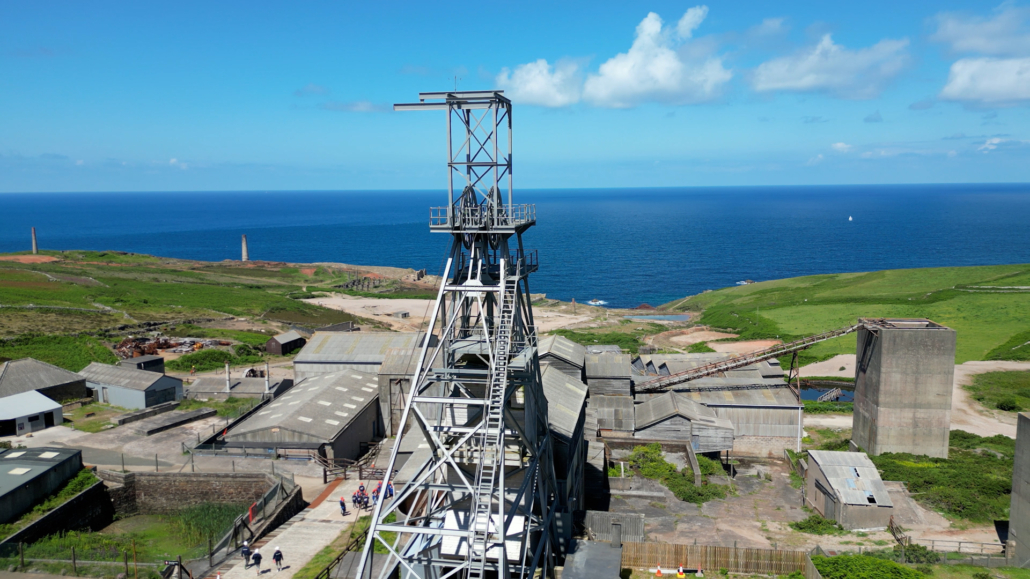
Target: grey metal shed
129	387
615	415
328	352
563	354
846	487
566	414
28	412
27	374
608	374
285	344
675	418
337	412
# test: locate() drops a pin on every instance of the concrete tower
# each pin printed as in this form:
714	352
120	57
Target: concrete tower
35	248
1019	513
246	254
903	383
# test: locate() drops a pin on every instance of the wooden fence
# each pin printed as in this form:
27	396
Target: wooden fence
708	557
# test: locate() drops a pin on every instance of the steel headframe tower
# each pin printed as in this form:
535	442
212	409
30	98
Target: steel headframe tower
484	503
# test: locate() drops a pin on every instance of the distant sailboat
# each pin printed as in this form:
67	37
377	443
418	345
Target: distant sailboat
849	218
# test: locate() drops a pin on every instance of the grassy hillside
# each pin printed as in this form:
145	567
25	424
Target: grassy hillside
45	307
992	323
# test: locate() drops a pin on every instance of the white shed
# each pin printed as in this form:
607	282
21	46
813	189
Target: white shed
28	412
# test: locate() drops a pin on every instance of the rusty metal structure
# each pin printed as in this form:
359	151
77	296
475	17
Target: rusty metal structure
664	382
483	504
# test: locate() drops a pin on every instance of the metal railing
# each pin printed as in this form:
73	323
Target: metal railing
480	216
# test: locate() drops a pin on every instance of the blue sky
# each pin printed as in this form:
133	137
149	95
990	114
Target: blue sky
160	96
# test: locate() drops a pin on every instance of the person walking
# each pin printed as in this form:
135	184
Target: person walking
245	551
389	490
256	558
278	558
343	509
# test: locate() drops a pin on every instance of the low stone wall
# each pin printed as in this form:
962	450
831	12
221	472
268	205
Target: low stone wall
159	492
90	509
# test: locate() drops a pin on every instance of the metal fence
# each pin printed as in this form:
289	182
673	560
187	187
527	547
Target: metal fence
705	557
243	528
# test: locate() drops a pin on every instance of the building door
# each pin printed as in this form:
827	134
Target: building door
829	507
695	441
48	420
103	395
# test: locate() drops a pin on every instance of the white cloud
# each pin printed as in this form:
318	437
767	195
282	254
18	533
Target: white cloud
841	147
657	68
539	83
177	163
999	73
692	18
990	81
857	74
1006	34
770	26
991	144
815	160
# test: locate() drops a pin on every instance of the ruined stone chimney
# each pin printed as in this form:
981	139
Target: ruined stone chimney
228	384
246	254
35	248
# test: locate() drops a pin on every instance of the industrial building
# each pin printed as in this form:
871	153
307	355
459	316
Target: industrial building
328	352
1019	506
335	415
28	374
766	413
28	412
218	388
846	487
903	384
615	416
129	387
394	384
563	354
566	414
148	363
285	344
674	417
30	474
608	374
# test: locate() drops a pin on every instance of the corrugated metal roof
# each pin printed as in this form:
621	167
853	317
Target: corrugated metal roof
238	385
400	362
367	347
28	374
320	406
761	396
670	404
566	397
287	337
26	404
608	365
852	476
120	376
614	412
563	348
603	349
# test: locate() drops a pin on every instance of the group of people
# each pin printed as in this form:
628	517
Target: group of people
360	498
254	558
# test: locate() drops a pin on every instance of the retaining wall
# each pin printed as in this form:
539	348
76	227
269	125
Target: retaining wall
158	492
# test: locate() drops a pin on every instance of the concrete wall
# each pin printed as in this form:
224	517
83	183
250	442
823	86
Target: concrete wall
393	393
159	492
1019	513
763	446
903	385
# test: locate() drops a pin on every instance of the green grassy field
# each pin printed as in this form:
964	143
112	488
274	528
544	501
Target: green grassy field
1008	391
48	306
986	322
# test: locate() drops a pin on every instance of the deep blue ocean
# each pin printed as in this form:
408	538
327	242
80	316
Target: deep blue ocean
623	246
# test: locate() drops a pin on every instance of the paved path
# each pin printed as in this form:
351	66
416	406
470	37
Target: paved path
300	538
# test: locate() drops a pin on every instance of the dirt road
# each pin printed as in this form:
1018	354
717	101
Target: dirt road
967	414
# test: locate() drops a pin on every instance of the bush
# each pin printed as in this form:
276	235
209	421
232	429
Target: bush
914	554
925	569
1008	404
861	567
970	484
816	407
213	359
817	525
69	352
699	348
648	460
